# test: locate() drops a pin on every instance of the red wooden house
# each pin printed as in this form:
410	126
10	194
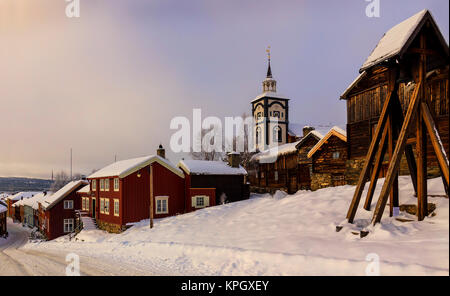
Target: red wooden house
57	212
3	211
120	193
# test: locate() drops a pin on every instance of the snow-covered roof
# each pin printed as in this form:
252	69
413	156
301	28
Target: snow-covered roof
85	189
124	168
353	84
334	131
35	200
397	40
22	195
269	94
274	152
204	167
52	200
3	209
313	133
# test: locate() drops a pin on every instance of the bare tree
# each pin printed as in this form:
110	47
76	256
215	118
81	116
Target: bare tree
61	179
205	155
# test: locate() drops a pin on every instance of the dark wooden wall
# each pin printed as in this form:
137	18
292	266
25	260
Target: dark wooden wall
323	162
231	185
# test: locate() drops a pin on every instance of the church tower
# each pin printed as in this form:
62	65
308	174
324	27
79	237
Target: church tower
271	113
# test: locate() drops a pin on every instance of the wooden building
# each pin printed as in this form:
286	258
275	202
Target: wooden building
57	212
365	97
120	193
12	199
31	209
329	157
209	183
399	106
304	166
3	224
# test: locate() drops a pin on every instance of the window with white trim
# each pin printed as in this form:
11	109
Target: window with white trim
106	184
87	204
116	184
276	175
116	207
200	201
102	185
68	204
68	225
94	185
106	206
162	204
83	203
102	205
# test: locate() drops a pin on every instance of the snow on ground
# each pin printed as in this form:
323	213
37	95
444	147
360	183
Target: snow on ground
279	235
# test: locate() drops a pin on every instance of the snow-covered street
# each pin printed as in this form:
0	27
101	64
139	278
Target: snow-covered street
266	235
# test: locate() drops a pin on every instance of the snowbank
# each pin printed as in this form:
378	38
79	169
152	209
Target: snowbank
277	235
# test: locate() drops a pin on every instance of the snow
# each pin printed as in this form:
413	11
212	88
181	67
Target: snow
269	94
125	167
279	235
204	167
35	200
274	152
3	209
394	40
61	193
353	84
22	195
85	189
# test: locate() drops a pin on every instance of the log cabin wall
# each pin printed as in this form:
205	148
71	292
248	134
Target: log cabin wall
364	105
329	164
305	163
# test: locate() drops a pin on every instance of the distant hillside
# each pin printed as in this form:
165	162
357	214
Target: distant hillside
13	184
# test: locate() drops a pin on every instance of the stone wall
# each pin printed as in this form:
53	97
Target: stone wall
110	227
320	180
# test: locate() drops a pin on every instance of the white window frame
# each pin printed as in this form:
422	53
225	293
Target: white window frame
107	184
161	199
94	185
102	184
102	205
116	207
83	203
67	203
87	205
195	202
68	222
116	184
107	206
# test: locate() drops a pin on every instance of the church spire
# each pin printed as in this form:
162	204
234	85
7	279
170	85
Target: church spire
269	84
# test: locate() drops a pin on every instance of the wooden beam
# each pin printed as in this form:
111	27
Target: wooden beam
411	165
373	146
395	162
392	133
421	150
376	168
436	141
423	51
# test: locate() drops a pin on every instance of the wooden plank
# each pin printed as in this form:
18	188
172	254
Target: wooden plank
399	147
376	168
392	133
411	165
421	150
436	141
369	159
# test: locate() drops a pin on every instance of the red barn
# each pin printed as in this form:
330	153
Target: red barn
120	193
58	210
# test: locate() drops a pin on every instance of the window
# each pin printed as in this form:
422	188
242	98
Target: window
68	204
259	115
83	203
102	205
68	225
116	207
116	184
258	135
336	155
162	204
200	201
102	184
277	137
94	185
106	184
106	211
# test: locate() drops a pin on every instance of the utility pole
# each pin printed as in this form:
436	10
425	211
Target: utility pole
151	196
71	179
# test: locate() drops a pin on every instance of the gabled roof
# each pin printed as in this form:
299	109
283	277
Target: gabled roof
334	131
398	39
205	167
35	200
273	153
313	133
22	195
124	168
85	189
352	85
59	195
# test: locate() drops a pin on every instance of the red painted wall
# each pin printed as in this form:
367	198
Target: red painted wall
210	192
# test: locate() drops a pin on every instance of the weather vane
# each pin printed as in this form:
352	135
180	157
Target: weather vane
268	52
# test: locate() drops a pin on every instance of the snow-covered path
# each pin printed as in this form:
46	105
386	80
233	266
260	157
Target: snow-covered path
15	261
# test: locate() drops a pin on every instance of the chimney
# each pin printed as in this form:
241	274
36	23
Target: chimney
307	130
161	152
234	159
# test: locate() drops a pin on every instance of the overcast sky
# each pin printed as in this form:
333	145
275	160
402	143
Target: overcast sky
108	83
